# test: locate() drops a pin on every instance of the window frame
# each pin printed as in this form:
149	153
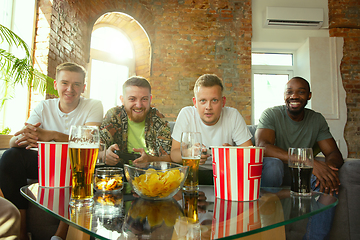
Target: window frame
271	70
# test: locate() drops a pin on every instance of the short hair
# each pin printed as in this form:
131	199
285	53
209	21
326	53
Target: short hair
71	67
303	79
208	80
137	82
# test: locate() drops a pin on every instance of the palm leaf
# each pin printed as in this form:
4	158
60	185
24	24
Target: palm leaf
20	70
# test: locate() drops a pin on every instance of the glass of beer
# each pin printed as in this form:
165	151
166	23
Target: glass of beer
301	163
84	144
190	147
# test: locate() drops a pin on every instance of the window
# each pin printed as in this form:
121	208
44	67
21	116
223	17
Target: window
111	63
18	16
270	72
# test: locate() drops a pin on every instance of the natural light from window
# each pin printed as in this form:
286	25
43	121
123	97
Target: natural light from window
272	59
112	62
108	39
270	71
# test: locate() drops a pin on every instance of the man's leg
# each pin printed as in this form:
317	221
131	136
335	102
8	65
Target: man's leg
9	220
319	225
16	166
272	172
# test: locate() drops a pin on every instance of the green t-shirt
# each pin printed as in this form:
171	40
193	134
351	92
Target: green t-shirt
136	136
288	133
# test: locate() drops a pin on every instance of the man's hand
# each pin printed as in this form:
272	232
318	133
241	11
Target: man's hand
112	158
327	177
144	156
28	136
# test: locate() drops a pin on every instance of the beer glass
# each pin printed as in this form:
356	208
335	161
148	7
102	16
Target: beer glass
101	158
83	151
190	147
301	163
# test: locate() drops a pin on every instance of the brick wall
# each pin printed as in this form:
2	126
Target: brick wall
344	21
188	39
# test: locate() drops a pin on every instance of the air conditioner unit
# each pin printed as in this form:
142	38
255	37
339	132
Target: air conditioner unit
286	17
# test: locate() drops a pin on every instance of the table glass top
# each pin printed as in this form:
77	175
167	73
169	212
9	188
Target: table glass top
121	215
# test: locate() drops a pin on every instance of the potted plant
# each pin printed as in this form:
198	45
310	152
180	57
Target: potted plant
14	70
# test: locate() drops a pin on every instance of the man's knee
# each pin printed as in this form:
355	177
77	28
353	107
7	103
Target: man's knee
9	221
272	172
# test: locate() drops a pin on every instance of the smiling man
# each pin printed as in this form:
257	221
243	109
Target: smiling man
218	125
50	120
293	125
136	127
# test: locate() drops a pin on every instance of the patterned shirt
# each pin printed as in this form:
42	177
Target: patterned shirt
114	129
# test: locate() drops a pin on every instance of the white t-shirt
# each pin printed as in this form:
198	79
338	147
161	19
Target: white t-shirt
231	128
52	118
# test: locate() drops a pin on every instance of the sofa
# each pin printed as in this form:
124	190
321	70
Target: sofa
345	225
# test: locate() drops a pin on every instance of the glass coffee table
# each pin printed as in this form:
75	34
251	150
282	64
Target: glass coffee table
122	215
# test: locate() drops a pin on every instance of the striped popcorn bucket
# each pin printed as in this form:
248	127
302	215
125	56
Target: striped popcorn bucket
54	164
237	172
55	199
232	217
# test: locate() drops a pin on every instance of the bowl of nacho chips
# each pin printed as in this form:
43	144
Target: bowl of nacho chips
156	180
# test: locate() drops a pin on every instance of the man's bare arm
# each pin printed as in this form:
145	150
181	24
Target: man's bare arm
265	137
175	153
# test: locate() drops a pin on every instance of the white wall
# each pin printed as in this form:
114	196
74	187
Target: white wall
288	39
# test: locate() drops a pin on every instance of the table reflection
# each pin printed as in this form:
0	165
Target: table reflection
188	215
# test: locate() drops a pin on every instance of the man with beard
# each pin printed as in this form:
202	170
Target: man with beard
293	125
135	127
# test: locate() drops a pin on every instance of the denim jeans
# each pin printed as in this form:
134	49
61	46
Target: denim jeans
272	172
319	225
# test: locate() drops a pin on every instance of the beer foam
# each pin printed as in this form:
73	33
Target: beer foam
83	145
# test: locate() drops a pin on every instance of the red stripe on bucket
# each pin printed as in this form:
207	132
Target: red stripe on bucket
52	157
42	164
240	174
222	178
228	173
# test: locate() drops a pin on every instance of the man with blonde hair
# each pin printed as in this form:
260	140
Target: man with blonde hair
218	125
49	121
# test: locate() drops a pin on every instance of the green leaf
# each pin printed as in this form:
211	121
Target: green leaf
20	70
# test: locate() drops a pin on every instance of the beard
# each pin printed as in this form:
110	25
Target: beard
137	117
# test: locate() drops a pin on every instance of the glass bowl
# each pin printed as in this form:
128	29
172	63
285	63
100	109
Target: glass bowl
108	179
156	180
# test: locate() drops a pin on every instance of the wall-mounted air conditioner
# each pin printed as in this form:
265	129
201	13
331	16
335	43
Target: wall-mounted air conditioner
286	17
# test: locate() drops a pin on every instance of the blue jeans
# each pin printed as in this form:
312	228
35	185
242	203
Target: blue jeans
272	172
319	225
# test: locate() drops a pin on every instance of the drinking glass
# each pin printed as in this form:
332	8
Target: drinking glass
301	163
190	147
84	144
101	158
